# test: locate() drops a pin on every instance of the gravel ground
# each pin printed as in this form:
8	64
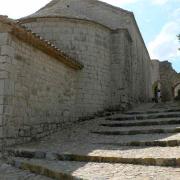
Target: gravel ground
107	171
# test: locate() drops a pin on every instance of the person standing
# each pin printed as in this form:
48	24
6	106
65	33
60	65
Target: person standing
156	94
159	95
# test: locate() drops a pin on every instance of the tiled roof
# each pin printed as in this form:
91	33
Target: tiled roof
26	35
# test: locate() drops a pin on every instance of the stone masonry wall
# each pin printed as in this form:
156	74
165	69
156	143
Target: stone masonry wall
90	44
96	14
176	90
155	75
6	54
141	86
121	69
39	93
169	79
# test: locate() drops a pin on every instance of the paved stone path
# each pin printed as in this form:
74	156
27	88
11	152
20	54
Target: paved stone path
111	171
7	172
89	150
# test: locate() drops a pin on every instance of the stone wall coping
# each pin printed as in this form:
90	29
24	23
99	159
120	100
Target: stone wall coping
101	4
139	32
27	36
35	19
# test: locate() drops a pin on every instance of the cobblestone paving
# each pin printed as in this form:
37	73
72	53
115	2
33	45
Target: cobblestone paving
107	171
126	172
78	139
8	172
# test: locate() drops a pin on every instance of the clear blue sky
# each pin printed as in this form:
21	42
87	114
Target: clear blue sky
159	22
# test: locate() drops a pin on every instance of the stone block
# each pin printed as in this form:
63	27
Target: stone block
1	99
51	156
9	87
1	109
7	50
1	132
1	87
5	59
40	155
3	38
4	75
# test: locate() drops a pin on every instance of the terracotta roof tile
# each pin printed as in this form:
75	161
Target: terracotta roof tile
26	35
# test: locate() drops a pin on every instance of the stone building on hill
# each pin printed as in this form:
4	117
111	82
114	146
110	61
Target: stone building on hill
69	60
166	78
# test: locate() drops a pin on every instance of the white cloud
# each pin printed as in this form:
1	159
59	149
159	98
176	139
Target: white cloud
124	2
176	13
165	45
26	7
163	2
120	2
18	8
160	2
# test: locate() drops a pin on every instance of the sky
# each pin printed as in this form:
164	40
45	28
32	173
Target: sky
158	20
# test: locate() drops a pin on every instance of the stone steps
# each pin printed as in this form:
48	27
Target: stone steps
155	111
42	169
171	162
136	138
143	117
98	171
129	128
170	143
137	157
142	123
139	140
8	172
138	131
139	120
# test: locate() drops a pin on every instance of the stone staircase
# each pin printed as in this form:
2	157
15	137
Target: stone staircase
139	144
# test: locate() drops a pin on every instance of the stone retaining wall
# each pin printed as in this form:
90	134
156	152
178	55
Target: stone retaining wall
5	90
90	44
169	79
37	92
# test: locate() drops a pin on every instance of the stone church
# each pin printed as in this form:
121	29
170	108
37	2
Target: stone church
69	60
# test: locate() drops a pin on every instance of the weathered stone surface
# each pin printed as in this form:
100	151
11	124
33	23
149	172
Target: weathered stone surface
116	63
7	172
76	152
37	92
40	87
113	171
167	77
